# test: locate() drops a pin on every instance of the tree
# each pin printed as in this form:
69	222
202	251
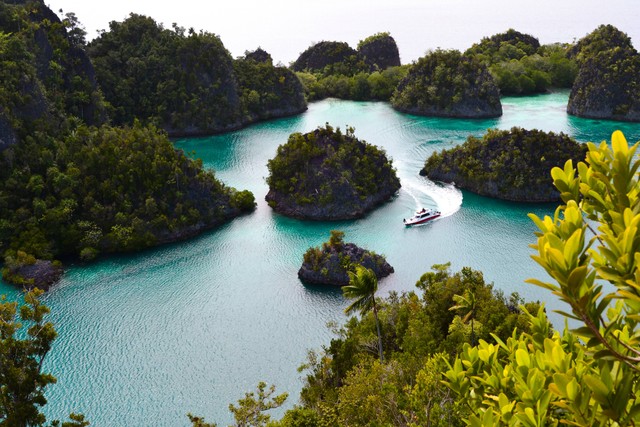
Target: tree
362	287
250	409
467	304
589	375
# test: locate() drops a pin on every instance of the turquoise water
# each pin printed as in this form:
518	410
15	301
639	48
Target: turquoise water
145	338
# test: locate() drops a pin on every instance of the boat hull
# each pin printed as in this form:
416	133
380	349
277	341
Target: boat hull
421	220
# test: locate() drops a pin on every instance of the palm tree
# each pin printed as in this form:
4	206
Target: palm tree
362	287
466	303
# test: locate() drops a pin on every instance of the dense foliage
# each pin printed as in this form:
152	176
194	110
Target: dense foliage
347	384
510	165
608	83
331	263
379	51
106	190
68	189
45	77
186	82
332	69
448	84
330	58
521	66
325	174
267	91
591	374
25	340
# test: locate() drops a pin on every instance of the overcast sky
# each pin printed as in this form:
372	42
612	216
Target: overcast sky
287	27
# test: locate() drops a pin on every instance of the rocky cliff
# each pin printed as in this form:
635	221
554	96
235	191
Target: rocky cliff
379	51
608	81
329	264
328	175
510	165
448	84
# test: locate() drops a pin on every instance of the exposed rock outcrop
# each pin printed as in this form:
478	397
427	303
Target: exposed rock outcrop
510	165
448	84
329	264
380	51
608	81
39	274
327	175
322	54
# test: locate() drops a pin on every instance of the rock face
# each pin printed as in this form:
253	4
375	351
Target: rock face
55	76
268	91
329	265
259	55
380	51
188	83
511	165
448	84
608	81
39	274
322	54
327	175
490	46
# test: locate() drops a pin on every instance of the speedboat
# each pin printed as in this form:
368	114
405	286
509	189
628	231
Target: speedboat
422	216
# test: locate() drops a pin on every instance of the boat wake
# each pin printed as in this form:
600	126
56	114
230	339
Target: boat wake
446	197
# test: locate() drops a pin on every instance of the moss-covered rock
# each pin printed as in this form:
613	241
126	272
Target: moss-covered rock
328	175
330	263
187	83
28	272
511	44
326	54
379	51
448	84
608	81
510	165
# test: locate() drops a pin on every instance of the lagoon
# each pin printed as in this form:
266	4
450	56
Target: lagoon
189	327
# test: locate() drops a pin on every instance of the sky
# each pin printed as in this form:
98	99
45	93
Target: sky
285	28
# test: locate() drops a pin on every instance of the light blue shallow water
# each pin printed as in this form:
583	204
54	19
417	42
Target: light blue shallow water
145	338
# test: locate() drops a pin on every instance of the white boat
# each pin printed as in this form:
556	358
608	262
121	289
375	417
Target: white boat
422	216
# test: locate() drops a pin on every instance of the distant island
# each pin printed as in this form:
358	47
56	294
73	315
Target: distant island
510	165
608	81
448	84
185	81
329	175
329	264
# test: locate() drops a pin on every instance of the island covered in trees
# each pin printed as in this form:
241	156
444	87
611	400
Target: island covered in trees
329	175
448	84
330	263
511	165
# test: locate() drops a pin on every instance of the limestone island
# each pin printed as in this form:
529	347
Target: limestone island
510	165
446	83
327	175
73	186
329	264
608	81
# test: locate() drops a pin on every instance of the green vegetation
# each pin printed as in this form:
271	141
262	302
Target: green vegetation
379	51
510	165
70	189
106	190
588	375
333	69
186	82
333	263
325	174
448	84
348	384
362	288
607	85
521	66
25	340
